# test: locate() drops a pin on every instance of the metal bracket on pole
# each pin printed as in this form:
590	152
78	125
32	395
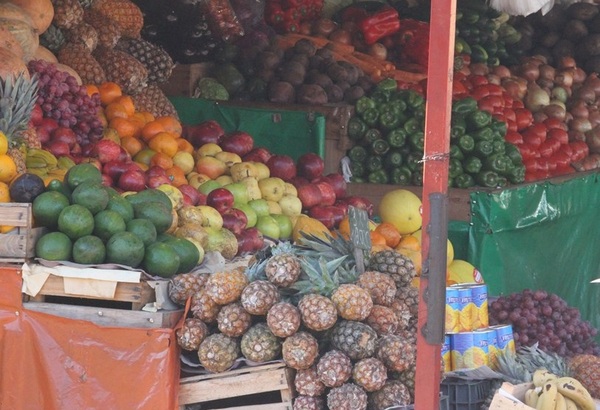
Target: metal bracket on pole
435	268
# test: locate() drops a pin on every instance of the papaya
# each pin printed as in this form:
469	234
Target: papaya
309	225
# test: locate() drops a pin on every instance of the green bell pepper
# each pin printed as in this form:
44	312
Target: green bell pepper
512	152
356	128
455	168
478	119
377	177
400	176
499	127
387	84
458	126
483	134
498	146
380	97
398	106
357	153
412	125
488	179
466	143
465	106
415	100
396	137
417	178
417	140
388	120
363	104
371	135
357	180
371	117
357	168
483	149
413	161
379	147
472	164
464	181
501	182
373	163
393	159
455	152
516	175
497	163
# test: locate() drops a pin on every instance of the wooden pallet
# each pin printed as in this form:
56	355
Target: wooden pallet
240	384
18	245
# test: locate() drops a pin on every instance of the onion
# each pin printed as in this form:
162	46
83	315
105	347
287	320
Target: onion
559	93
579	109
547	72
576	135
594	118
566	62
536	98
539	116
341	36
324	26
586	94
593	82
555	109
502	71
579	75
493	79
513	88
546	84
580	124
530	71
592	138
378	50
480	69
564	78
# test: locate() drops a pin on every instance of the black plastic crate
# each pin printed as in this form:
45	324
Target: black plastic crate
444	405
465	394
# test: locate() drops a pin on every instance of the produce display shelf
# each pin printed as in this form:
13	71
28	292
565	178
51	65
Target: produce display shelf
18	245
244	385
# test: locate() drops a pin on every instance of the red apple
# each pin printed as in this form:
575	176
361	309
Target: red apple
282	166
338	214
187	201
191	192
221	199
327	193
155	170
206	132
43	134
155	182
124	156
49	124
58	148
299	181
76	149
132	181
64	134
202	199
86	149
309	195
37	115
238	142
235	220
93	161
337	182
250	240
258	154
310	165
360	202
107	180
343	205
324	214
106	150
114	169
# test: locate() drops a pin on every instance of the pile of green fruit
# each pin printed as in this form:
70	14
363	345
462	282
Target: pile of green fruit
89	223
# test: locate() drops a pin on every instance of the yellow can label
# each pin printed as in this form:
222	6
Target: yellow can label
446	356
452	323
480	310
469	350
465	309
505	338
492	344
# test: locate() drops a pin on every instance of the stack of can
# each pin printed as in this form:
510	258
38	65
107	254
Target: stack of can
470	341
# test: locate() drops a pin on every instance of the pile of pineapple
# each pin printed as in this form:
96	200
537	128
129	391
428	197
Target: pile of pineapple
351	337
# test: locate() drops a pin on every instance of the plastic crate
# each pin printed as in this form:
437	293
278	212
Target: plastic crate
465	394
444	405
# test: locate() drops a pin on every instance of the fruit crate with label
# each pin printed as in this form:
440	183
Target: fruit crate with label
264	387
18	244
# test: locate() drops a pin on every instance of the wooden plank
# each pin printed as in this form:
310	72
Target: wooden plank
109	317
268	406
18	245
16	214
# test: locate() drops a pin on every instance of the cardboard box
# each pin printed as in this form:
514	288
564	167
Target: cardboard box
511	396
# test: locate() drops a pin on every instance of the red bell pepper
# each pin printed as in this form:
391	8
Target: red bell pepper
413	39
382	23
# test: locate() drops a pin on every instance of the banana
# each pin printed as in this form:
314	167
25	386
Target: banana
542	376
43	155
561	403
531	397
574	390
33	162
547	400
59	172
65	162
570	403
41	172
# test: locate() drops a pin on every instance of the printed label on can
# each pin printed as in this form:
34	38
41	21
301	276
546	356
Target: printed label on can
480	310
492	344
446	357
452	323
469	350
465	309
505	338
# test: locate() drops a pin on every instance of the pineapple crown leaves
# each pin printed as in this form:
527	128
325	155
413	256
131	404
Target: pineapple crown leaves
282	248
256	270
331	248
17	98
520	366
319	276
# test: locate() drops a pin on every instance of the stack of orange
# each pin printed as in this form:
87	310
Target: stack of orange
150	141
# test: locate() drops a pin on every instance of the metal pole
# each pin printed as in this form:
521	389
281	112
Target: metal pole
435	180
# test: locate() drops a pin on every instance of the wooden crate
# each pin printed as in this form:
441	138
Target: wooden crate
239	384
18	245
184	78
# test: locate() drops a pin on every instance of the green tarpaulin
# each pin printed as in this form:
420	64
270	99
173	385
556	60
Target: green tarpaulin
281	131
541	236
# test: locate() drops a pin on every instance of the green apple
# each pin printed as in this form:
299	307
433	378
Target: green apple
290	205
285	225
252	188
208	186
274	207
250	214
260	206
271	188
239	191
268	226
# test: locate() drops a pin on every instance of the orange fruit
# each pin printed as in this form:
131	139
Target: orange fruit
140	117
4	192
184	145
150	129
124	126
91	89
409	242
164	142
148	116
344	227
390	233
132	145
377	238
8	169
127	102
171	124
109	91
144	156
115	110
177	176
162	160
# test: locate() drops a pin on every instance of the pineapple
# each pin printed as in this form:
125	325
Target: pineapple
17	98
108	31
407	377
259	296
191	334
356	339
381	287
393	393
233	320
86	4
317	311
403	315
303	402
283	267
283	319
79	58
348	396
370	374
67	13
156	60
398	266
396	353
383	320
300	350
218	352
153	100
307	382
334	368
123	69
227	286
125	13
322	276
259	344
186	285
352	302
410	296
586	369
83	33
204	307
53	38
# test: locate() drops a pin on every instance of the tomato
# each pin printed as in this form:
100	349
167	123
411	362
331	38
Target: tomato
479	92
509	102
561	158
524	118
509	114
495	89
552	123
558	134
567	149
513	137
511	125
459	90
527	151
518	104
580	150
477	80
532	138
564	170
491	103
549	147
542	164
530	164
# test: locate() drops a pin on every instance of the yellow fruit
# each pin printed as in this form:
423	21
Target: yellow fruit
310	226
8	169
4	193
460	271
449	248
185	161
401	208
174	195
3	143
209	149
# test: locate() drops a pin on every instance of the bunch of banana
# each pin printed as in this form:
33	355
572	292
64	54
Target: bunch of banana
44	164
551	392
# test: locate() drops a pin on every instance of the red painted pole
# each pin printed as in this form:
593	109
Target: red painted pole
435	178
